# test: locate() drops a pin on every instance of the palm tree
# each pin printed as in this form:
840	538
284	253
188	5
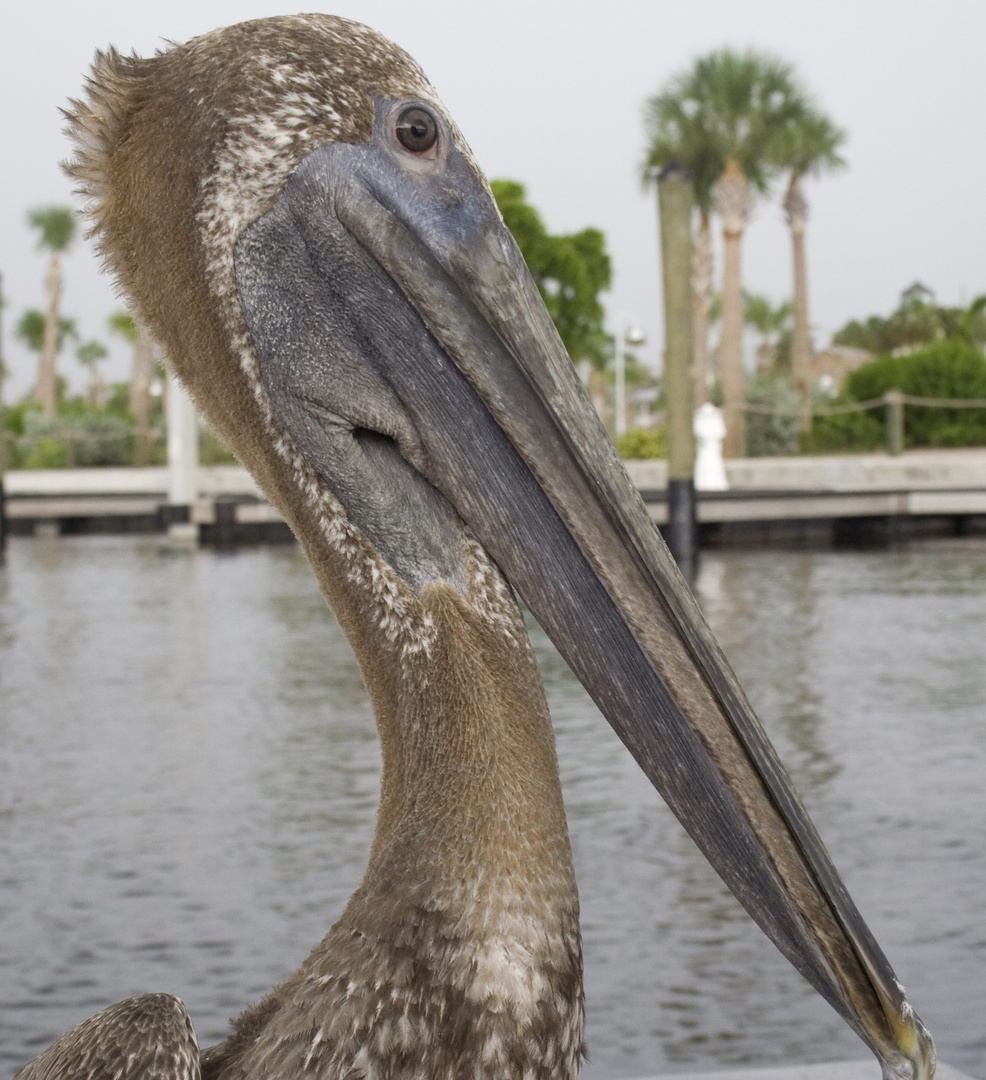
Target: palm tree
736	106
675	134
141	377
89	355
57	225
770	322
32	329
807	147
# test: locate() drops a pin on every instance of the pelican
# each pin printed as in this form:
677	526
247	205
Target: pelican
292	212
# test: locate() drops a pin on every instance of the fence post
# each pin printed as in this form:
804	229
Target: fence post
894	401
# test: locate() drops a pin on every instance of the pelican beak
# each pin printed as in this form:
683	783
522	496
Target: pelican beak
396	283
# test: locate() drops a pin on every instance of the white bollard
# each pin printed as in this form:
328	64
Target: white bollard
183	459
710	430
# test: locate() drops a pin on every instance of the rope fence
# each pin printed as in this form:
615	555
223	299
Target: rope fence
77	440
893	401
891	397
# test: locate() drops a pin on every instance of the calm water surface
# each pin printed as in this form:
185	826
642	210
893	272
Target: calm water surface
188	781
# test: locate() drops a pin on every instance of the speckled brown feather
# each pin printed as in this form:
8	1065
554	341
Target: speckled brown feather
143	1038
459	955
156	137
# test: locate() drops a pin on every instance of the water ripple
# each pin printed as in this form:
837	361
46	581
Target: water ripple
189	775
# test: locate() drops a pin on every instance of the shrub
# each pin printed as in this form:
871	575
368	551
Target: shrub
13	428
853	432
643	443
769	434
74	439
952	368
46	454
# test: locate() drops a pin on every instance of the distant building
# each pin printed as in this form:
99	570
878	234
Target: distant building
917	291
832	365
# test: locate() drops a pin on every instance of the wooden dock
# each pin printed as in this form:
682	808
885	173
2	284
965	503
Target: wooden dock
801	501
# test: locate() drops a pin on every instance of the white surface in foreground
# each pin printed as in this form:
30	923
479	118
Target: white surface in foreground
834	1070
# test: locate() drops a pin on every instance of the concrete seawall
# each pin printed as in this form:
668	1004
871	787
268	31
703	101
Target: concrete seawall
819	501
915	470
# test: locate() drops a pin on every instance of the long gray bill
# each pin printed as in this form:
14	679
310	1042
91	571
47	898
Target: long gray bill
483	402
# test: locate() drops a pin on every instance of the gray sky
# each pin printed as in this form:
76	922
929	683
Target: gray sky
551	95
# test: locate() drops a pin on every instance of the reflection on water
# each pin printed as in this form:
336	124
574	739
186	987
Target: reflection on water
188	783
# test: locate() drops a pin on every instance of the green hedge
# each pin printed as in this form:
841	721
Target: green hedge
643	443
854	432
952	368
947	369
82	439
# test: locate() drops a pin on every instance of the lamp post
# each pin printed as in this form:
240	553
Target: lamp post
630	335
675	196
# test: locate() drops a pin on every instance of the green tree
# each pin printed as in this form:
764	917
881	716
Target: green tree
736	105
915	323
808	146
570	272
967	324
56	225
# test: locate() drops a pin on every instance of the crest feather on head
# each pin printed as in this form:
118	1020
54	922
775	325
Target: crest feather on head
236	108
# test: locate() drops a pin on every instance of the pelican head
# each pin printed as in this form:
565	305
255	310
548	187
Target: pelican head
300	224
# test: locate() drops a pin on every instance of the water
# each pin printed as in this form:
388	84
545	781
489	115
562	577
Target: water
188	780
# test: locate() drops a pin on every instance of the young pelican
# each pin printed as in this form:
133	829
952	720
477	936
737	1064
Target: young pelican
294	215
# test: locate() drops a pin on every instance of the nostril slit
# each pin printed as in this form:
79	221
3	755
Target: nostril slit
368	438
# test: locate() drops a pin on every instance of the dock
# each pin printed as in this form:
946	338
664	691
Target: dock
827	501
791	501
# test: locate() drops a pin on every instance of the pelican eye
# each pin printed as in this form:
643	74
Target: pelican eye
416	130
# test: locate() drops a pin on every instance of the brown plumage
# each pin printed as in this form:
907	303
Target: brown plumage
303	229
459	955
143	1038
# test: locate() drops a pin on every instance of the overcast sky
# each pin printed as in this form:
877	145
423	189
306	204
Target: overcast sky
551	95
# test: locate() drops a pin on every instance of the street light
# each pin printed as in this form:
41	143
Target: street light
631	335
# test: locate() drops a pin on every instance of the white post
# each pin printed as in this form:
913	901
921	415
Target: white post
710	430
183	459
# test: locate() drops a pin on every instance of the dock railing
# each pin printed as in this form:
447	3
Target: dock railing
83	445
893	401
